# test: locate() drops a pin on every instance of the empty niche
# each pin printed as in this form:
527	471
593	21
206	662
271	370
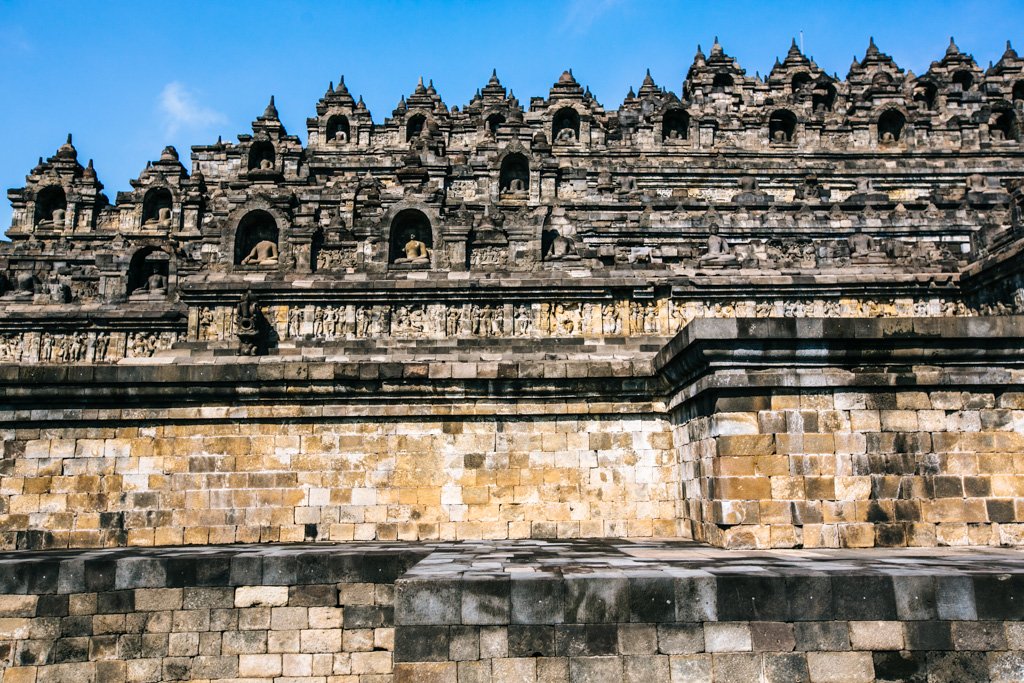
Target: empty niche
964	79
414	127
722	83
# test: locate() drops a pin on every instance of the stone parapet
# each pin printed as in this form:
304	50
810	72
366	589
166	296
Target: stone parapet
545	611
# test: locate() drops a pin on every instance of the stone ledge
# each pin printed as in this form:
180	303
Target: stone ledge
767	352
76	571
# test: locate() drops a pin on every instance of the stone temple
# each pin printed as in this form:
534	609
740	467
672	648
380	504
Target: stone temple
531	391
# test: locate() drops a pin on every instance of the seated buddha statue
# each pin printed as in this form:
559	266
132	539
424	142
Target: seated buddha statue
416	252
263	254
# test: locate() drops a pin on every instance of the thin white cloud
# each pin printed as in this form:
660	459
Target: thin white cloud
181	110
15	40
580	15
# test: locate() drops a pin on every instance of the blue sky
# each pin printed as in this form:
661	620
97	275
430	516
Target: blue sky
128	78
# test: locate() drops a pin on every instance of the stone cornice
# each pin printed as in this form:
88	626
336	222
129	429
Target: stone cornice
709	357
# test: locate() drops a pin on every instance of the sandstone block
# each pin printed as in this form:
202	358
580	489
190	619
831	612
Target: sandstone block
727	637
840	667
696	668
259	666
261	596
876	635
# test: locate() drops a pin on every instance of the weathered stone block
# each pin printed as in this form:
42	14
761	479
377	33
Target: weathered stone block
840	667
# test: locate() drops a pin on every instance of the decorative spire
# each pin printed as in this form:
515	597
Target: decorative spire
794	51
648	87
1010	52
270	113
67	150
872	48
952	49
420	90
566	78
716	48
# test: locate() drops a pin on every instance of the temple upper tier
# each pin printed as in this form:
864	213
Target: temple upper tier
794	194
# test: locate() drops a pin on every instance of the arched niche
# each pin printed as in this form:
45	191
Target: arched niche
262	156
515	174
890	126
964	79
823	97
338	129
800	81
149	272
722	82
1003	125
493	122
781	126
881	80
51	204
565	126
1018	92
414	127
411	239
256	239
156	207
675	125
925	93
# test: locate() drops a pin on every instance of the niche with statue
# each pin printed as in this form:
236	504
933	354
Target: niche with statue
411	243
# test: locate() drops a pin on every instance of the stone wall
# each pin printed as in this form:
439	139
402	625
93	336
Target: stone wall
661	612
825	468
161	481
247	614
743	433
509	611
